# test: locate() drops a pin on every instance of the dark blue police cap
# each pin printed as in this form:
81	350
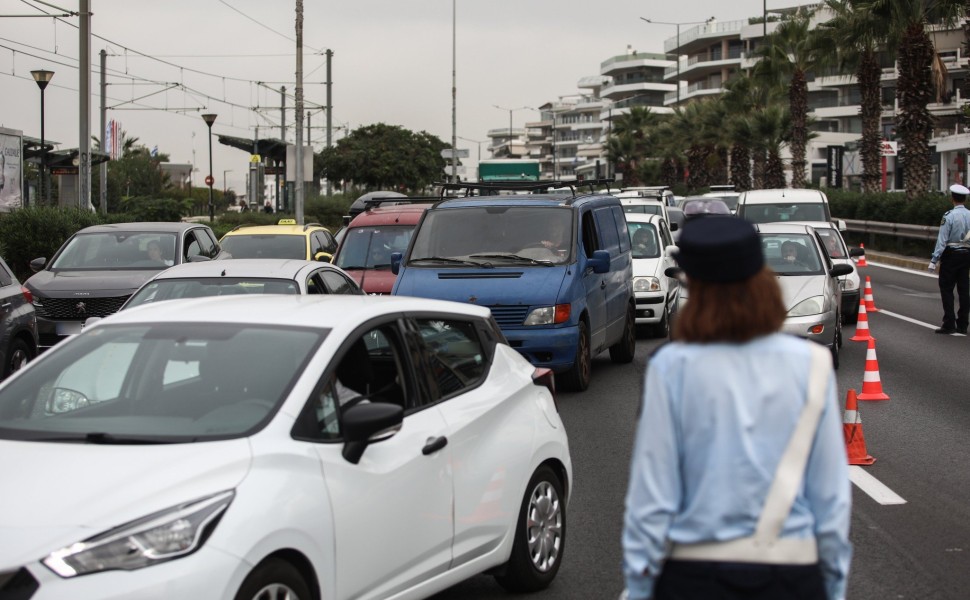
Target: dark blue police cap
720	249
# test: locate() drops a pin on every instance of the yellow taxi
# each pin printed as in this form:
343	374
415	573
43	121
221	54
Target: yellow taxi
286	239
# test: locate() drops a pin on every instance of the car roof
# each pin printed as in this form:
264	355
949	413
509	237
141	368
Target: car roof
783	228
161	227
782	195
333	311
276	268
406	214
274	229
641	200
816	224
554	200
642	218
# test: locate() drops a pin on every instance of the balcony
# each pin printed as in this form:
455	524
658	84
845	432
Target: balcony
701	67
626	89
704	32
694	90
630	61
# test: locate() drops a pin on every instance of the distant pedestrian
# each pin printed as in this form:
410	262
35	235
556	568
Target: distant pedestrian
268	207
953	253
739	486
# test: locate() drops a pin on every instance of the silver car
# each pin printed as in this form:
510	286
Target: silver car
809	282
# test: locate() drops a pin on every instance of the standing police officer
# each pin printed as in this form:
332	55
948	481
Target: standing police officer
953	248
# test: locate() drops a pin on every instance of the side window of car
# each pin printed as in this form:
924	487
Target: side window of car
591	242
213	242
192	247
5	277
620	221
665	236
458	359
314	285
606	226
327	242
338	283
206	245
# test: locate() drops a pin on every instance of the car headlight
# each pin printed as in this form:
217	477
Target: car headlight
159	537
810	306
548	315
646	284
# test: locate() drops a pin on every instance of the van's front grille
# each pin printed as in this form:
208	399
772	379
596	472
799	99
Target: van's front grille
509	316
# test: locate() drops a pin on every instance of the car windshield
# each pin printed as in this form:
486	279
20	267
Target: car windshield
157	383
371	247
265	246
643	237
520	235
784	211
172	289
833	242
133	250
791	254
644	209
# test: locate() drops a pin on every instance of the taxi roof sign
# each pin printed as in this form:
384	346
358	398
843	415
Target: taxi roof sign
286	222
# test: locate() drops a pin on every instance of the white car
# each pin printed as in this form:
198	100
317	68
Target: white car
244	276
655	293
851	284
266	446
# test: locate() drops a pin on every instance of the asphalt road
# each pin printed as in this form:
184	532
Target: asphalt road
916	549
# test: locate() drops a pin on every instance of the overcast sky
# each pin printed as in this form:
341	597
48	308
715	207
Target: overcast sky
392	63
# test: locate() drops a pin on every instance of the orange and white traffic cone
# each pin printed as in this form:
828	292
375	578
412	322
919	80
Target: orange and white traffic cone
870	304
862	259
855	442
861	324
871	385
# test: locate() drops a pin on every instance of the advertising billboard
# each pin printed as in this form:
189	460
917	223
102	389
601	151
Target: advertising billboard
11	169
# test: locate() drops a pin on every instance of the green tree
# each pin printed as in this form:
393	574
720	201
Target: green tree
628	145
791	52
916	61
136	173
770	125
382	156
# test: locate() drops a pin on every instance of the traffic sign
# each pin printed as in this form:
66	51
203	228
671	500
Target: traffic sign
209	180
255	158
459	153
889	148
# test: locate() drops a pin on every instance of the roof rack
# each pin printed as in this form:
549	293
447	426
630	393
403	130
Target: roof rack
722	188
376	202
519	186
309	225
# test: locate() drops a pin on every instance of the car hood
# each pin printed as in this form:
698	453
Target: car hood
646	267
99	283
529	286
795	288
373	281
58	494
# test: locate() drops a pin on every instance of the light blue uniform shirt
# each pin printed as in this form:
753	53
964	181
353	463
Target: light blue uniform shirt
955	224
715	420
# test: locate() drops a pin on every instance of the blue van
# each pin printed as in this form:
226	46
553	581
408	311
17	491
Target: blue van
555	270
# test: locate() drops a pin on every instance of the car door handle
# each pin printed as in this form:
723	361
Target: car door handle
434	444
602	285
5	305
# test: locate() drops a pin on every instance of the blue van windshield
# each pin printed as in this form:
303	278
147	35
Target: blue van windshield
514	234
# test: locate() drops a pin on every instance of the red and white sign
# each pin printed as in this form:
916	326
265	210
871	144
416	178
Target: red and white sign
209	180
889	148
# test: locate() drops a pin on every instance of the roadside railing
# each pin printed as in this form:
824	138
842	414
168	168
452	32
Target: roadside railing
904	230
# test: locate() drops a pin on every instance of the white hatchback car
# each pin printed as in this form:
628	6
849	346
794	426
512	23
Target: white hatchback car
656	294
266	446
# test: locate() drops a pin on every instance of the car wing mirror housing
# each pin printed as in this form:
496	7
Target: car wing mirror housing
857	251
37	264
840	270
599	262
366	423
396	261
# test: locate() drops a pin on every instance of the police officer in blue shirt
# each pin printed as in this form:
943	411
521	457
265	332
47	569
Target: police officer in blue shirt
953	252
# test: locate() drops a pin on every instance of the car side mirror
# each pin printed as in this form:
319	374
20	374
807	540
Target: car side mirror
37	264
599	262
840	269
670	251
673	272
396	261
366	423
840	223
674	226
857	251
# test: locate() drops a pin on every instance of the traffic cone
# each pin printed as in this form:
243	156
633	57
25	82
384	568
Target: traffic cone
861	324
862	259
855	442
871	386
870	304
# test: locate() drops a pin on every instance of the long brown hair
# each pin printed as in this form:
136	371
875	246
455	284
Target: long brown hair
731	312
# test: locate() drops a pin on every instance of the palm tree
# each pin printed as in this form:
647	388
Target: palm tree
857	36
628	143
790	53
771	125
916	60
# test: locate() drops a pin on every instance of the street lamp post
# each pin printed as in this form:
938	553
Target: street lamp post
42	78
209	119
678	42
511	110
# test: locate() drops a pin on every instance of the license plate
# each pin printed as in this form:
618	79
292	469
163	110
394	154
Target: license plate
68	328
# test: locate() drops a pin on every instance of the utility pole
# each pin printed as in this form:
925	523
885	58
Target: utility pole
84	108
103	174
299	113
329	111
454	97
281	194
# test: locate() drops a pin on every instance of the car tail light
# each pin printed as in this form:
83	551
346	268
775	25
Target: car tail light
27	295
545	377
817	329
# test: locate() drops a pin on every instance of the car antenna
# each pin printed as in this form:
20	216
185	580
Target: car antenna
223	273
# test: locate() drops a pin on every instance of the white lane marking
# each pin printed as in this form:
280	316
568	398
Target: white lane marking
903	269
876	489
914	321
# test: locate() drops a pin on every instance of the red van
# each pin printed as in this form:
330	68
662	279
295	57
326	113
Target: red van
370	238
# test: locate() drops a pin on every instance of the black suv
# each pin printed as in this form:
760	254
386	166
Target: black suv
98	268
18	324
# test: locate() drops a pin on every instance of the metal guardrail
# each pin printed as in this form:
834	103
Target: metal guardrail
904	230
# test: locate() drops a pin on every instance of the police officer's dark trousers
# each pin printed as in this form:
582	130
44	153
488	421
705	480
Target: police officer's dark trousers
704	580
955	272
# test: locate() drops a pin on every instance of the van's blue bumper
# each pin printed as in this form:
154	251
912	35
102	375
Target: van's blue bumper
551	348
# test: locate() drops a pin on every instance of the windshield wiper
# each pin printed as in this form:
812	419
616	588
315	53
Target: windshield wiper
98	437
446	259
531	261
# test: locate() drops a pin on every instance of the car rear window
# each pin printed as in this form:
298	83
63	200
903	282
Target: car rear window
265	246
784	211
174	289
